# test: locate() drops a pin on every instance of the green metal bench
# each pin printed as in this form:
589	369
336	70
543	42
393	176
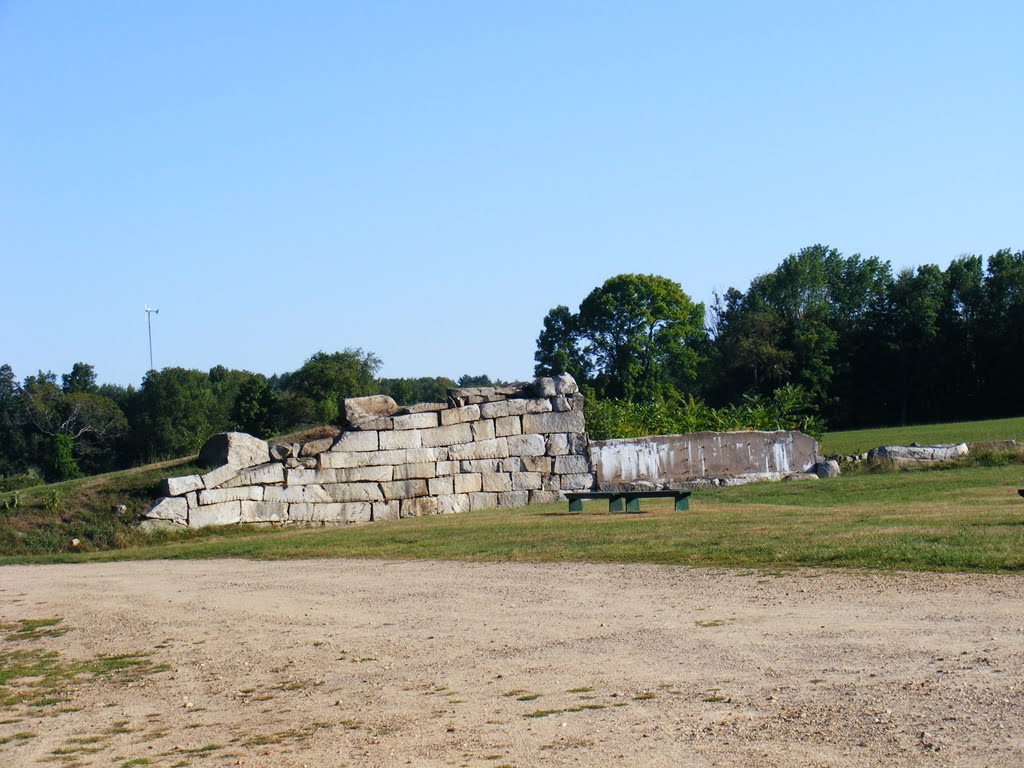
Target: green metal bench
627	501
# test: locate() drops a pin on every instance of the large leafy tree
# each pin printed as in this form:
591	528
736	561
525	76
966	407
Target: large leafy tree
174	413
638	337
314	392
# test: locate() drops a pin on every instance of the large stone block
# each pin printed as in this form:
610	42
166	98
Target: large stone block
580	482
330	512
511	464
401	438
347	459
265	474
460	415
416	421
497	482
310	476
282	451
483	501
508	425
404	489
410	471
441	436
566	384
447	468
219	476
356	441
513	499
364	474
484	449
526	481
453	504
354	492
418	507
264	512
235	449
423	455
545	497
572	465
480	465
513	408
386	510
548	423
544	387
359	411
439	486
179	486
578	443
219	495
168	508
483	430
225	513
543	464
468	483
526	445
298	494
557	444
359	512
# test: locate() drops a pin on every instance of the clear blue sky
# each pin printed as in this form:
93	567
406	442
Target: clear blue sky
427	179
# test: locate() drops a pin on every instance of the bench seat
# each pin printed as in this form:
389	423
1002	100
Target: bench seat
627	501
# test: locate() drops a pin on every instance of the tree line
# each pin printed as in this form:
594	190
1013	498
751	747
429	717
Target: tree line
861	345
59	428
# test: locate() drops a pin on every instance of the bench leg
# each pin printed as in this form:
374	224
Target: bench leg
616	504
682	503
633	505
575	505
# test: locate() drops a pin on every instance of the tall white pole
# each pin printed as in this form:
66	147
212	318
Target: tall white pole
149	324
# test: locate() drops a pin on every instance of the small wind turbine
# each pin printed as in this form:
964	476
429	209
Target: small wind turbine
149	323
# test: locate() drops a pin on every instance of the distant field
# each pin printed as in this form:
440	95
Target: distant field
965	519
860	440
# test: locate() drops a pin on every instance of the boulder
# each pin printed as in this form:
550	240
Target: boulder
919	454
173	509
234	449
828	468
359	411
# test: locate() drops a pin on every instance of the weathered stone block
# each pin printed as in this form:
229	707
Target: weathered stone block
543	464
386	510
193	499
468	483
484	449
545	497
361	410
826	469
453	504
460	415
442	436
421	455
566	385
168	508
419	507
356	441
331	512
480	465
179	486
364	474
572	465
236	449
552	482
153	524
578	444
354	492
347	460
447	468
580	482
506	408
219	475
403	438
511	464
297	494
416	421
382	424
499	481
225	513
424	408
508	425
358	512
557	444
264	512
548	423
282	451
526	445
544	387
561	403
483	430
404	489
513	499
526	481
410	471
314	447
438	486
265	474
308	476
219	495
483	501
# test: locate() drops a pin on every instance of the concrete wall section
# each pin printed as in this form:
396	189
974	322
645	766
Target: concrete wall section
670	459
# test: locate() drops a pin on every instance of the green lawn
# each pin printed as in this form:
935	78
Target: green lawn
965	519
860	440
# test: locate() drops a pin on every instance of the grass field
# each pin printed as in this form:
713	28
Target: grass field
861	440
965	519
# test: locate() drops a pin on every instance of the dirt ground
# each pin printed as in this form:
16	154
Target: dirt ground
367	663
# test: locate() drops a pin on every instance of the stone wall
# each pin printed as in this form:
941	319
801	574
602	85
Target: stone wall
695	459
484	448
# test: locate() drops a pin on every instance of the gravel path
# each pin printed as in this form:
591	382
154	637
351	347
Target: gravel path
370	663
